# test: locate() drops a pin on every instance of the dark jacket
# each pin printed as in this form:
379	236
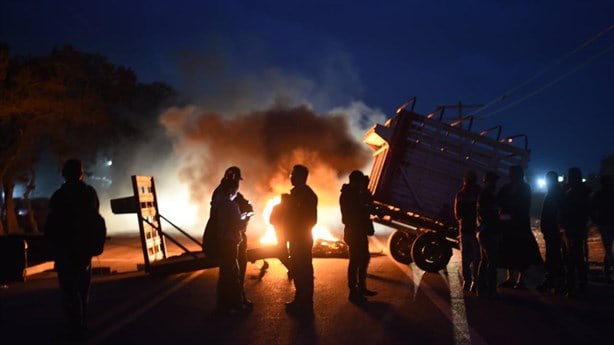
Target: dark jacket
226	216
602	207
302	212
551	208
465	207
515	205
488	211
356	206
575	210
69	228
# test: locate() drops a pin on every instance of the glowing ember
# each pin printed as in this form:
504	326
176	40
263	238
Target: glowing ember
319	232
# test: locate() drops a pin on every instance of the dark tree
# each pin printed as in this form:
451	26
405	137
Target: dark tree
71	102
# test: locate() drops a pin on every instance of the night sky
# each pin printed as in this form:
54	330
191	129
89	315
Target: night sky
553	60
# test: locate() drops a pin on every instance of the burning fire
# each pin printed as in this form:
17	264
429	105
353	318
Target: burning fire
319	232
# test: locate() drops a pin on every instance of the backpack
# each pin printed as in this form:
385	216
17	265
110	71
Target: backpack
210	243
98	234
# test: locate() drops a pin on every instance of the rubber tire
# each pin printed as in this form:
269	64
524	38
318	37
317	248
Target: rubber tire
400	244
431	252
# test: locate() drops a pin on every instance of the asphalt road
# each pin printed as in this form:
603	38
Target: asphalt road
412	307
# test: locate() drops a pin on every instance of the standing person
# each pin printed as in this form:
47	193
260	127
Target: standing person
69	232
488	236
232	176
465	212
279	220
575	212
602	215
356	205
303	215
226	216
519	248
549	225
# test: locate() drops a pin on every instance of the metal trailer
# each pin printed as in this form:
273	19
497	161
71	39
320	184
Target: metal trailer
419	164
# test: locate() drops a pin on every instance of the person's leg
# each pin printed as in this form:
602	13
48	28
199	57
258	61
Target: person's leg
466	258
85	277
228	288
354	274
68	281
482	281
242	262
303	279
607	239
552	248
363	264
492	253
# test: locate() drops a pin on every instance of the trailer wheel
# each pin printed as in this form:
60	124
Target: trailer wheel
431	252
400	244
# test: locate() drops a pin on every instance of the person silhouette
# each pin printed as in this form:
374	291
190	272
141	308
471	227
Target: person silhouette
575	213
232	176
465	212
279	220
488	235
227	217
519	248
602	215
356	205
549	225
68	231
303	216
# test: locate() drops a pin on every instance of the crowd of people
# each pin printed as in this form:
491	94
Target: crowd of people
293	219
495	231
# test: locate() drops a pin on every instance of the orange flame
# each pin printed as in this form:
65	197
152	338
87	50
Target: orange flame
319	232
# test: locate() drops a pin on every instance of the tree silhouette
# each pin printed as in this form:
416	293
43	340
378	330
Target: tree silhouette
71	102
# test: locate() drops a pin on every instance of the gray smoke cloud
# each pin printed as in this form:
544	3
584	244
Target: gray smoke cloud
265	145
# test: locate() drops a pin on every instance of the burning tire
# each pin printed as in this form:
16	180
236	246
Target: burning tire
431	252
400	245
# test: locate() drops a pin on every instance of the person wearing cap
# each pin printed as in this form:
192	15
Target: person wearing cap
227	218
488	236
232	176
356	204
302	217
69	233
465	212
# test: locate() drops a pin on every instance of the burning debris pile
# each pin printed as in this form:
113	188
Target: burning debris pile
329	249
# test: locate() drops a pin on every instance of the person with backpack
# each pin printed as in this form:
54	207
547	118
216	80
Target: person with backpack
74	231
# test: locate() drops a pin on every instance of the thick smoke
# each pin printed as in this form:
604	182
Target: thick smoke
265	145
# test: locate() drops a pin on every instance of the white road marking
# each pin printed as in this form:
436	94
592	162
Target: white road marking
121	323
455	312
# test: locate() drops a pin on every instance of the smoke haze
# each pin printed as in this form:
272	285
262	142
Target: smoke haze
265	145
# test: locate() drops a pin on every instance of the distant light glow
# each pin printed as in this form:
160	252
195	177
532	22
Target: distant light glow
108	163
561	178
541	183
